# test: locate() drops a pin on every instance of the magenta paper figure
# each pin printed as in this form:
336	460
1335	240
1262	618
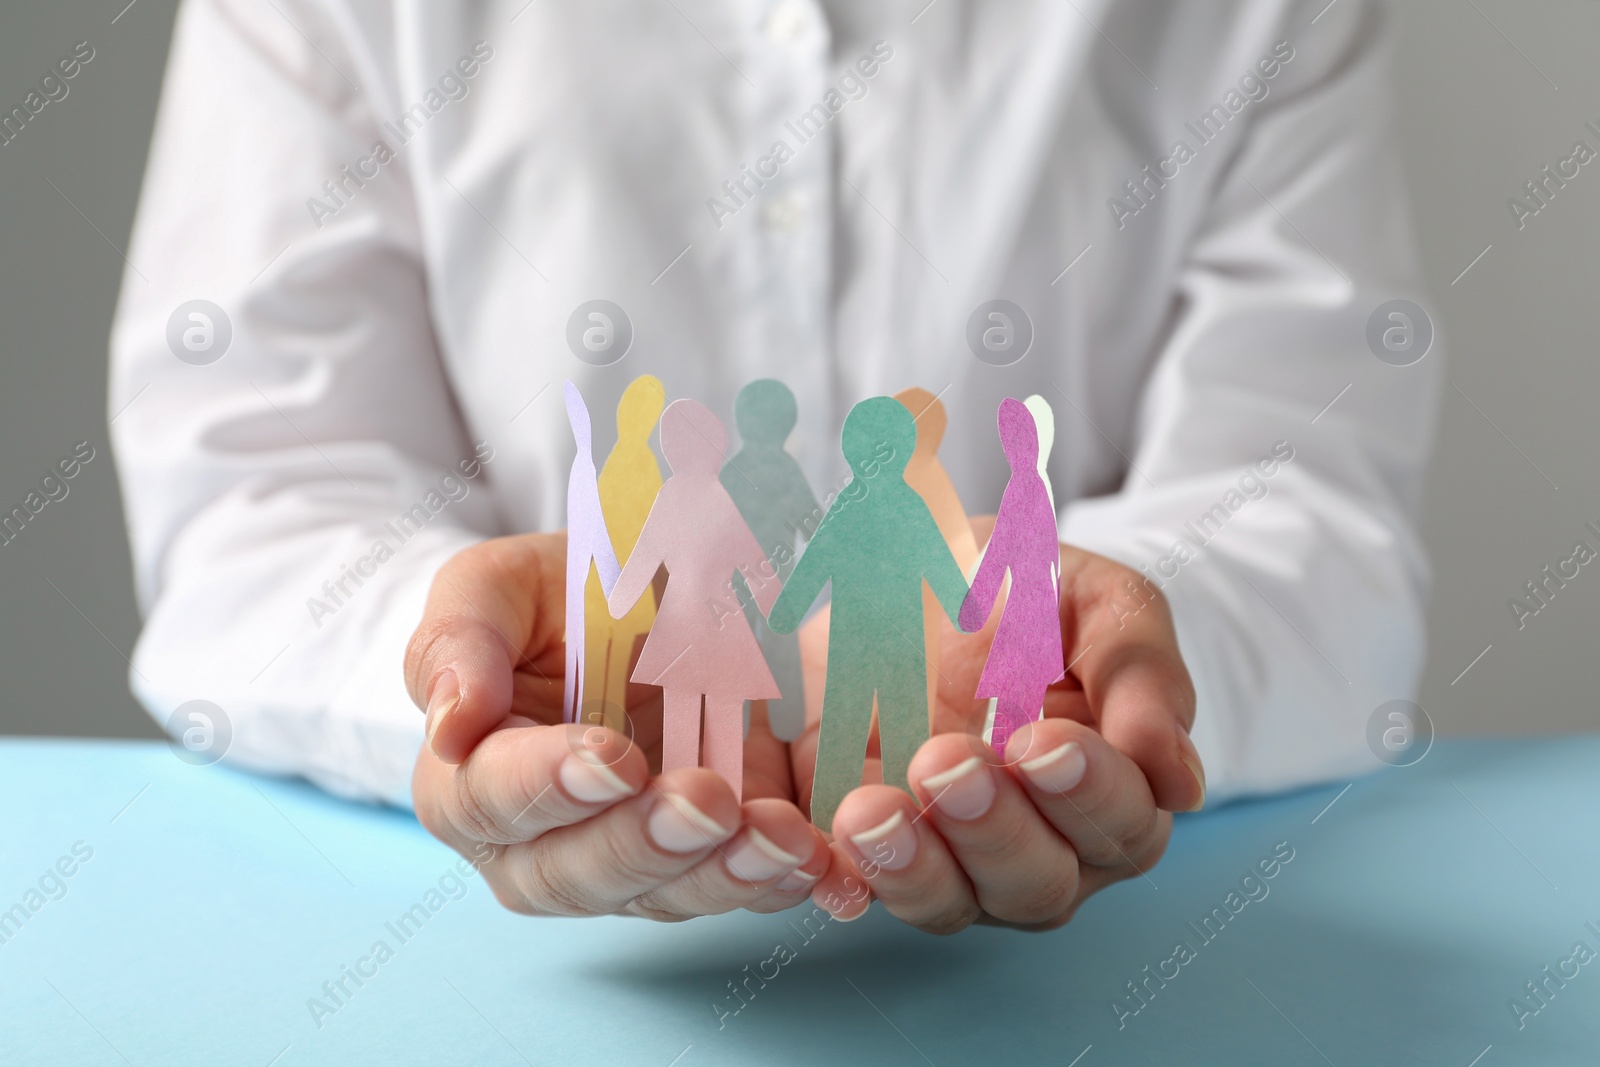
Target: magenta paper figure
588	544
701	644
1026	655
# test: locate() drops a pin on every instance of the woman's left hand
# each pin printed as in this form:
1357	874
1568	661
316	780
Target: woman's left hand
1081	799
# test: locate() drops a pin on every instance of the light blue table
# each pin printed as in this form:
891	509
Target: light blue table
215	905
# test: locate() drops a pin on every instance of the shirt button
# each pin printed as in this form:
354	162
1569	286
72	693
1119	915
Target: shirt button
784	214
786	22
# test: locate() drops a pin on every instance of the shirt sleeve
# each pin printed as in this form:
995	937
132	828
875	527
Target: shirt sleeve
1298	594
293	465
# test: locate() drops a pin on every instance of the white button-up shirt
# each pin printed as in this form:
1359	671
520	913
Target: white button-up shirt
398	217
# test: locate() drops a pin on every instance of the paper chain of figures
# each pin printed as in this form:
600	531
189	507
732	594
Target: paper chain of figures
726	528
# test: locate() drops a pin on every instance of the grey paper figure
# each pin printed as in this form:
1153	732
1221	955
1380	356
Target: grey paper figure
777	503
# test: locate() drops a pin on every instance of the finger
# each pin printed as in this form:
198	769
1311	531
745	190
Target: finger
842	892
794	887
598	866
776	841
1097	798
1134	678
1021	870
522	782
489	607
905	860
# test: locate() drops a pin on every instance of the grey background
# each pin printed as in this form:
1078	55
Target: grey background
1513	483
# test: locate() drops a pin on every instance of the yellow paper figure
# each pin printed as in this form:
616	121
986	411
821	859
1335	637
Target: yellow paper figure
927	476
629	482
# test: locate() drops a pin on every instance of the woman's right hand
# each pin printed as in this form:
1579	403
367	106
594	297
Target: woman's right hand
565	819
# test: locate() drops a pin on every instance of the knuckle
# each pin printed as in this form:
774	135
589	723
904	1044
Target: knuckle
424	649
950	921
551	890
471	816
1043	902
646	906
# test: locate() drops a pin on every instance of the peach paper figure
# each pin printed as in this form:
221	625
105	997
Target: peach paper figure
1026	655
629	482
701	646
588	545
876	545
927	476
776	500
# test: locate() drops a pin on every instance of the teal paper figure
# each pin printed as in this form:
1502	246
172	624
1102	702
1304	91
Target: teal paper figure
876	545
776	501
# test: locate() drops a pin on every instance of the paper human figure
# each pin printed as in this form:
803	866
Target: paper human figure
629	481
927	476
777	502
701	646
1044	419
588	547
1026	655
876	545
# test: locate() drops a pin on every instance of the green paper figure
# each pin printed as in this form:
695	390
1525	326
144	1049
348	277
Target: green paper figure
777	503
876	545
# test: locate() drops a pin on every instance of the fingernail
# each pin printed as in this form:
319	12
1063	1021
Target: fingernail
796	880
1058	770
1199	778
586	778
442	700
838	916
892	844
757	859
678	826
965	791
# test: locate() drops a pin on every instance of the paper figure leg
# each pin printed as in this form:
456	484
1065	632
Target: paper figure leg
725	740
680	742
1011	714
787	714
902	720
841	745
932	619
572	694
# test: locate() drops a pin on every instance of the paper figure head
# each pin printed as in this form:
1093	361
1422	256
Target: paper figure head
640	407
765	412
578	416
1044	417
1019	435
928	412
692	438
879	435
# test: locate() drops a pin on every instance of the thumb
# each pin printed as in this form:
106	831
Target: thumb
488	607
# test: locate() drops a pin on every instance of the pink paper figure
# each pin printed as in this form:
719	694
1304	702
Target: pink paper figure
701	645
1026	656
588	544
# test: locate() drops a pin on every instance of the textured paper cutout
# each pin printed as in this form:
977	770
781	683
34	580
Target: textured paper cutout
1026	655
1044	419
629	482
701	645
928	477
876	545
588	546
777	502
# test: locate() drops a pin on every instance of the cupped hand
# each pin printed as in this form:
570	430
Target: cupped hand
1078	801
566	819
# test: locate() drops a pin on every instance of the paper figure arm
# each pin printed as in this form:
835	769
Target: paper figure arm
986	583
807	504
605	553
804	585
760	576
635	578
940	569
